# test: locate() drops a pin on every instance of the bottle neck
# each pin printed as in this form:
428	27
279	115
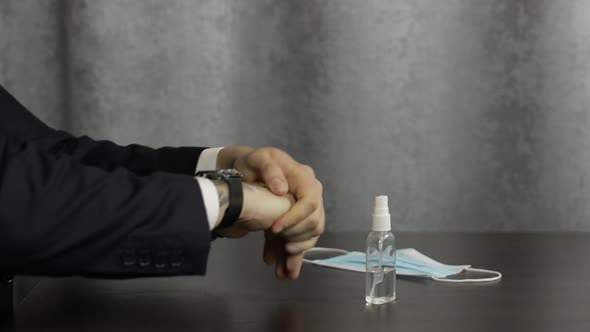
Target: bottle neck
381	223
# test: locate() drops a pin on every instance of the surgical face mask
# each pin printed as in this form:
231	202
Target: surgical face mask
409	262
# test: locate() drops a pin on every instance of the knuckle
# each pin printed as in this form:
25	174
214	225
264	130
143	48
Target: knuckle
251	157
273	151
269	168
311	227
317	232
308	170
320	186
307	245
314	205
321	228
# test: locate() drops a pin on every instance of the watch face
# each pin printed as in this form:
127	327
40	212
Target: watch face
220	174
230	172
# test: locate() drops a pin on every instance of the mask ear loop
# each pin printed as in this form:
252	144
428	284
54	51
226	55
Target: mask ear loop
497	276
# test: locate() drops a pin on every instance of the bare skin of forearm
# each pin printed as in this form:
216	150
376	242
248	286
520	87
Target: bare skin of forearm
259	210
223	194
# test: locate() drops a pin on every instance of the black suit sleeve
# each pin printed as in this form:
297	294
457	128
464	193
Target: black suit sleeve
59	217
19	123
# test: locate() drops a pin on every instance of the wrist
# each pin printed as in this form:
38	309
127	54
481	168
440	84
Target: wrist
222	189
261	207
248	190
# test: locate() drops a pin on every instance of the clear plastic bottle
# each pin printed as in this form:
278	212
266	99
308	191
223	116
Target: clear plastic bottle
380	275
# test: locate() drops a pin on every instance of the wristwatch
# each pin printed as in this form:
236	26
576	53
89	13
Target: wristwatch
233	178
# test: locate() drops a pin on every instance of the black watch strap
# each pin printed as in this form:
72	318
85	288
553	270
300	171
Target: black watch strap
236	201
233	178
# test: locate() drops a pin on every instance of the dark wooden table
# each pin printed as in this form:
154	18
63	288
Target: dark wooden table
546	287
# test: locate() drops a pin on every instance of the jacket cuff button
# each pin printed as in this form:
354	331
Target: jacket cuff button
145	259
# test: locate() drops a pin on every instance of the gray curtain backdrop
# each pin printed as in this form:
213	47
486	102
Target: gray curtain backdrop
471	115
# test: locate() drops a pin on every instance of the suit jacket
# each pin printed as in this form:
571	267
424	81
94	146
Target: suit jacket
77	206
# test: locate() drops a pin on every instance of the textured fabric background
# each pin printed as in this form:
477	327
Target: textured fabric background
472	115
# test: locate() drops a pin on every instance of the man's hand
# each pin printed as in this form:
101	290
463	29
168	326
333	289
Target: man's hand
259	210
299	228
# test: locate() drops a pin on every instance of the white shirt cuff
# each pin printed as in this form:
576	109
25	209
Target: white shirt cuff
210	199
208	160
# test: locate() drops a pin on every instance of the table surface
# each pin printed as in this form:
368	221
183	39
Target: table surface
546	287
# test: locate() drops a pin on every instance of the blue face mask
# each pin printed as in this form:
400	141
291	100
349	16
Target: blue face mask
409	262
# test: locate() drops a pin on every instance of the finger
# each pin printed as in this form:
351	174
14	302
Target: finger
311	226
228	155
268	254
294	248
309	195
298	212
261	165
302	180
280	266
274	178
294	263
248	174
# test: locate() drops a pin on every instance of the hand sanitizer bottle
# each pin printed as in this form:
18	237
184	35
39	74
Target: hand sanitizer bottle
380	276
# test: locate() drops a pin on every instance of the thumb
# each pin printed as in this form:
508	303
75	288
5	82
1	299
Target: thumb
263	168
274	178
